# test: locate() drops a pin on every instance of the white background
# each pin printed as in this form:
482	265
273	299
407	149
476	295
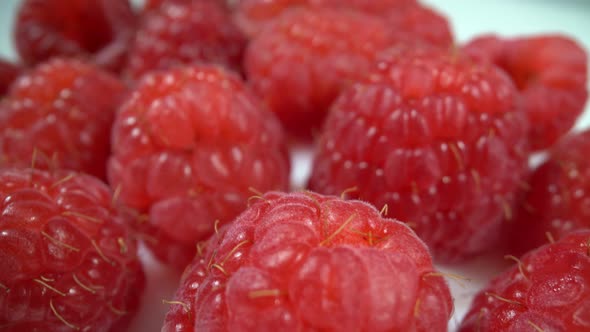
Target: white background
469	18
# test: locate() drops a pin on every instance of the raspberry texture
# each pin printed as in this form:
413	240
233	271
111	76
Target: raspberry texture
189	147
437	139
547	290
404	15
328	47
186	33
8	73
66	260
556	199
551	71
307	262
99	30
59	115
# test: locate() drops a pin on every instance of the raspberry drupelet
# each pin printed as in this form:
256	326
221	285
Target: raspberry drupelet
60	113
186	33
551	72
439	140
96	30
308	262
557	198
67	261
548	289
190	146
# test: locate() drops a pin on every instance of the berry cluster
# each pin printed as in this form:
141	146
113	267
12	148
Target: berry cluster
172	125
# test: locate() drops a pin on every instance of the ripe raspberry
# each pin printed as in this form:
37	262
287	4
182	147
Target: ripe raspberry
8	73
188	146
547	290
60	115
95	29
66	261
328	48
550	71
186	33
307	262
253	15
439	140
557	199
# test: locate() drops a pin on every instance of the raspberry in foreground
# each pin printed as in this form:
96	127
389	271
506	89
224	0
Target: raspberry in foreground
551	72
557	199
299	64
98	30
190	146
440	141
307	262
546	290
178	34
59	115
66	260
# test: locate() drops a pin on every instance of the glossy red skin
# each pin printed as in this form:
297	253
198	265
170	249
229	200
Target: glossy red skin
307	262
96	30
190	146
547	290
551	72
66	259
439	141
59	115
187	33
8	73
556	199
329	47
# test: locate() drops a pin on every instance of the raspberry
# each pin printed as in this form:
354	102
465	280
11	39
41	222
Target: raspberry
438	140
557	200
59	115
95	29
8	73
66	260
307	262
547	290
550	71
188	147
253	15
186	33
328	47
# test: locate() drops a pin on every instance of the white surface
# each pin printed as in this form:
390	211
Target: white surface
469	18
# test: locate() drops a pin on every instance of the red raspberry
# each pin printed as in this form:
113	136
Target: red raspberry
547	290
8	73
550	71
557	200
307	262
59	115
99	29
437	139
66	261
328	48
253	15
188	146
189	33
